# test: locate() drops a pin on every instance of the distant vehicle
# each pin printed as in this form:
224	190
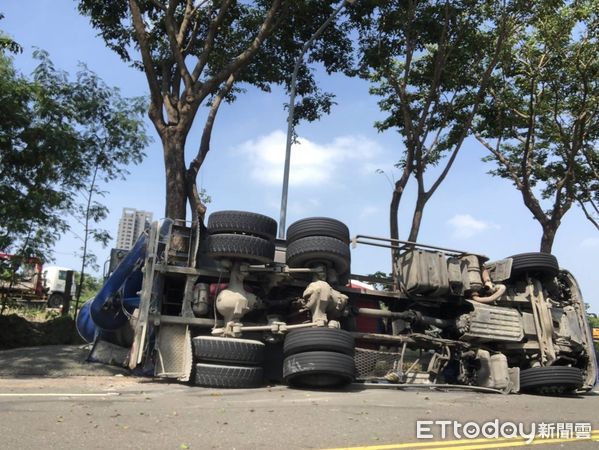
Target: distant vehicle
54	282
26	284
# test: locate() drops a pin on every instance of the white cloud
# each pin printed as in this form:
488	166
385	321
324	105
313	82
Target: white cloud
304	207
311	163
590	242
369	211
466	226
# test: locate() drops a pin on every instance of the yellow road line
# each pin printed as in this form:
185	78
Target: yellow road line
520	443
473	444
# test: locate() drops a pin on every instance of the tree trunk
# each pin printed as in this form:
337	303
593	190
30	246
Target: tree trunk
90	194
393	212
174	164
417	217
549	231
398	190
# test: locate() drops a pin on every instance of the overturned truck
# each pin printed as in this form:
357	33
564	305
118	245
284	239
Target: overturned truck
231	306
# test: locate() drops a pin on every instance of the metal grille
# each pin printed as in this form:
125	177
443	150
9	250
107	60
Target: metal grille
374	363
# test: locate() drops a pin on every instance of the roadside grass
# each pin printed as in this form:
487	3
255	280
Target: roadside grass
34	313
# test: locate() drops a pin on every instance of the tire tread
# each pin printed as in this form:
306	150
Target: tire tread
232	222
544	263
319	248
298	366
551	379
240	246
228	350
221	376
319	339
318	226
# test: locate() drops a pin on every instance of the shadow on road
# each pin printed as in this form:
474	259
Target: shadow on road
52	361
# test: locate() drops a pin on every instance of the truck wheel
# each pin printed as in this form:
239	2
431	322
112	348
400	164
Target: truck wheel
237	222
56	300
319	339
313	250
228	350
217	376
535	262
318	226
318	369
240	247
551	380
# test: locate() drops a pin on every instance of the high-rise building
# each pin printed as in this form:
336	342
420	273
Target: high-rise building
131	225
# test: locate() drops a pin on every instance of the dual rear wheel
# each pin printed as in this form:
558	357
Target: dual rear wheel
241	236
228	362
318	357
320	241
250	237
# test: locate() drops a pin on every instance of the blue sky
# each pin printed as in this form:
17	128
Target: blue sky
333	169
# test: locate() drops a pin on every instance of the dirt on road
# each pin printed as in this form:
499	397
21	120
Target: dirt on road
52	361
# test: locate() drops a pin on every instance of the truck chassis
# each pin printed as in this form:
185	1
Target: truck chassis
230	306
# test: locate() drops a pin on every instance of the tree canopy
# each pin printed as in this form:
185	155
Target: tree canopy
7	43
55	133
200	53
540	121
430	63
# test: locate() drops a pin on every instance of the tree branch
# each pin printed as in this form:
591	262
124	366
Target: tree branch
202	90
158	5
197	208
402	88
501	158
241	60
193	35
440	60
588	214
144	48
209	41
171	110
169	21
529	198
189	11
484	82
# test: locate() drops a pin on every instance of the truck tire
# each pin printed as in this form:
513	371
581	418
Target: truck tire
318	369
310	251
242	222
56	300
240	247
551	380
318	339
233	351
318	226
535	262
220	376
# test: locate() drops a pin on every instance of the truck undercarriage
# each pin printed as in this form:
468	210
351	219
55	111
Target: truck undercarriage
231	306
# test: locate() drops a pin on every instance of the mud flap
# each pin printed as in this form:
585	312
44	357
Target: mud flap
173	352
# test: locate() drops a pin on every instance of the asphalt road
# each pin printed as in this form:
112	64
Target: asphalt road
107	411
